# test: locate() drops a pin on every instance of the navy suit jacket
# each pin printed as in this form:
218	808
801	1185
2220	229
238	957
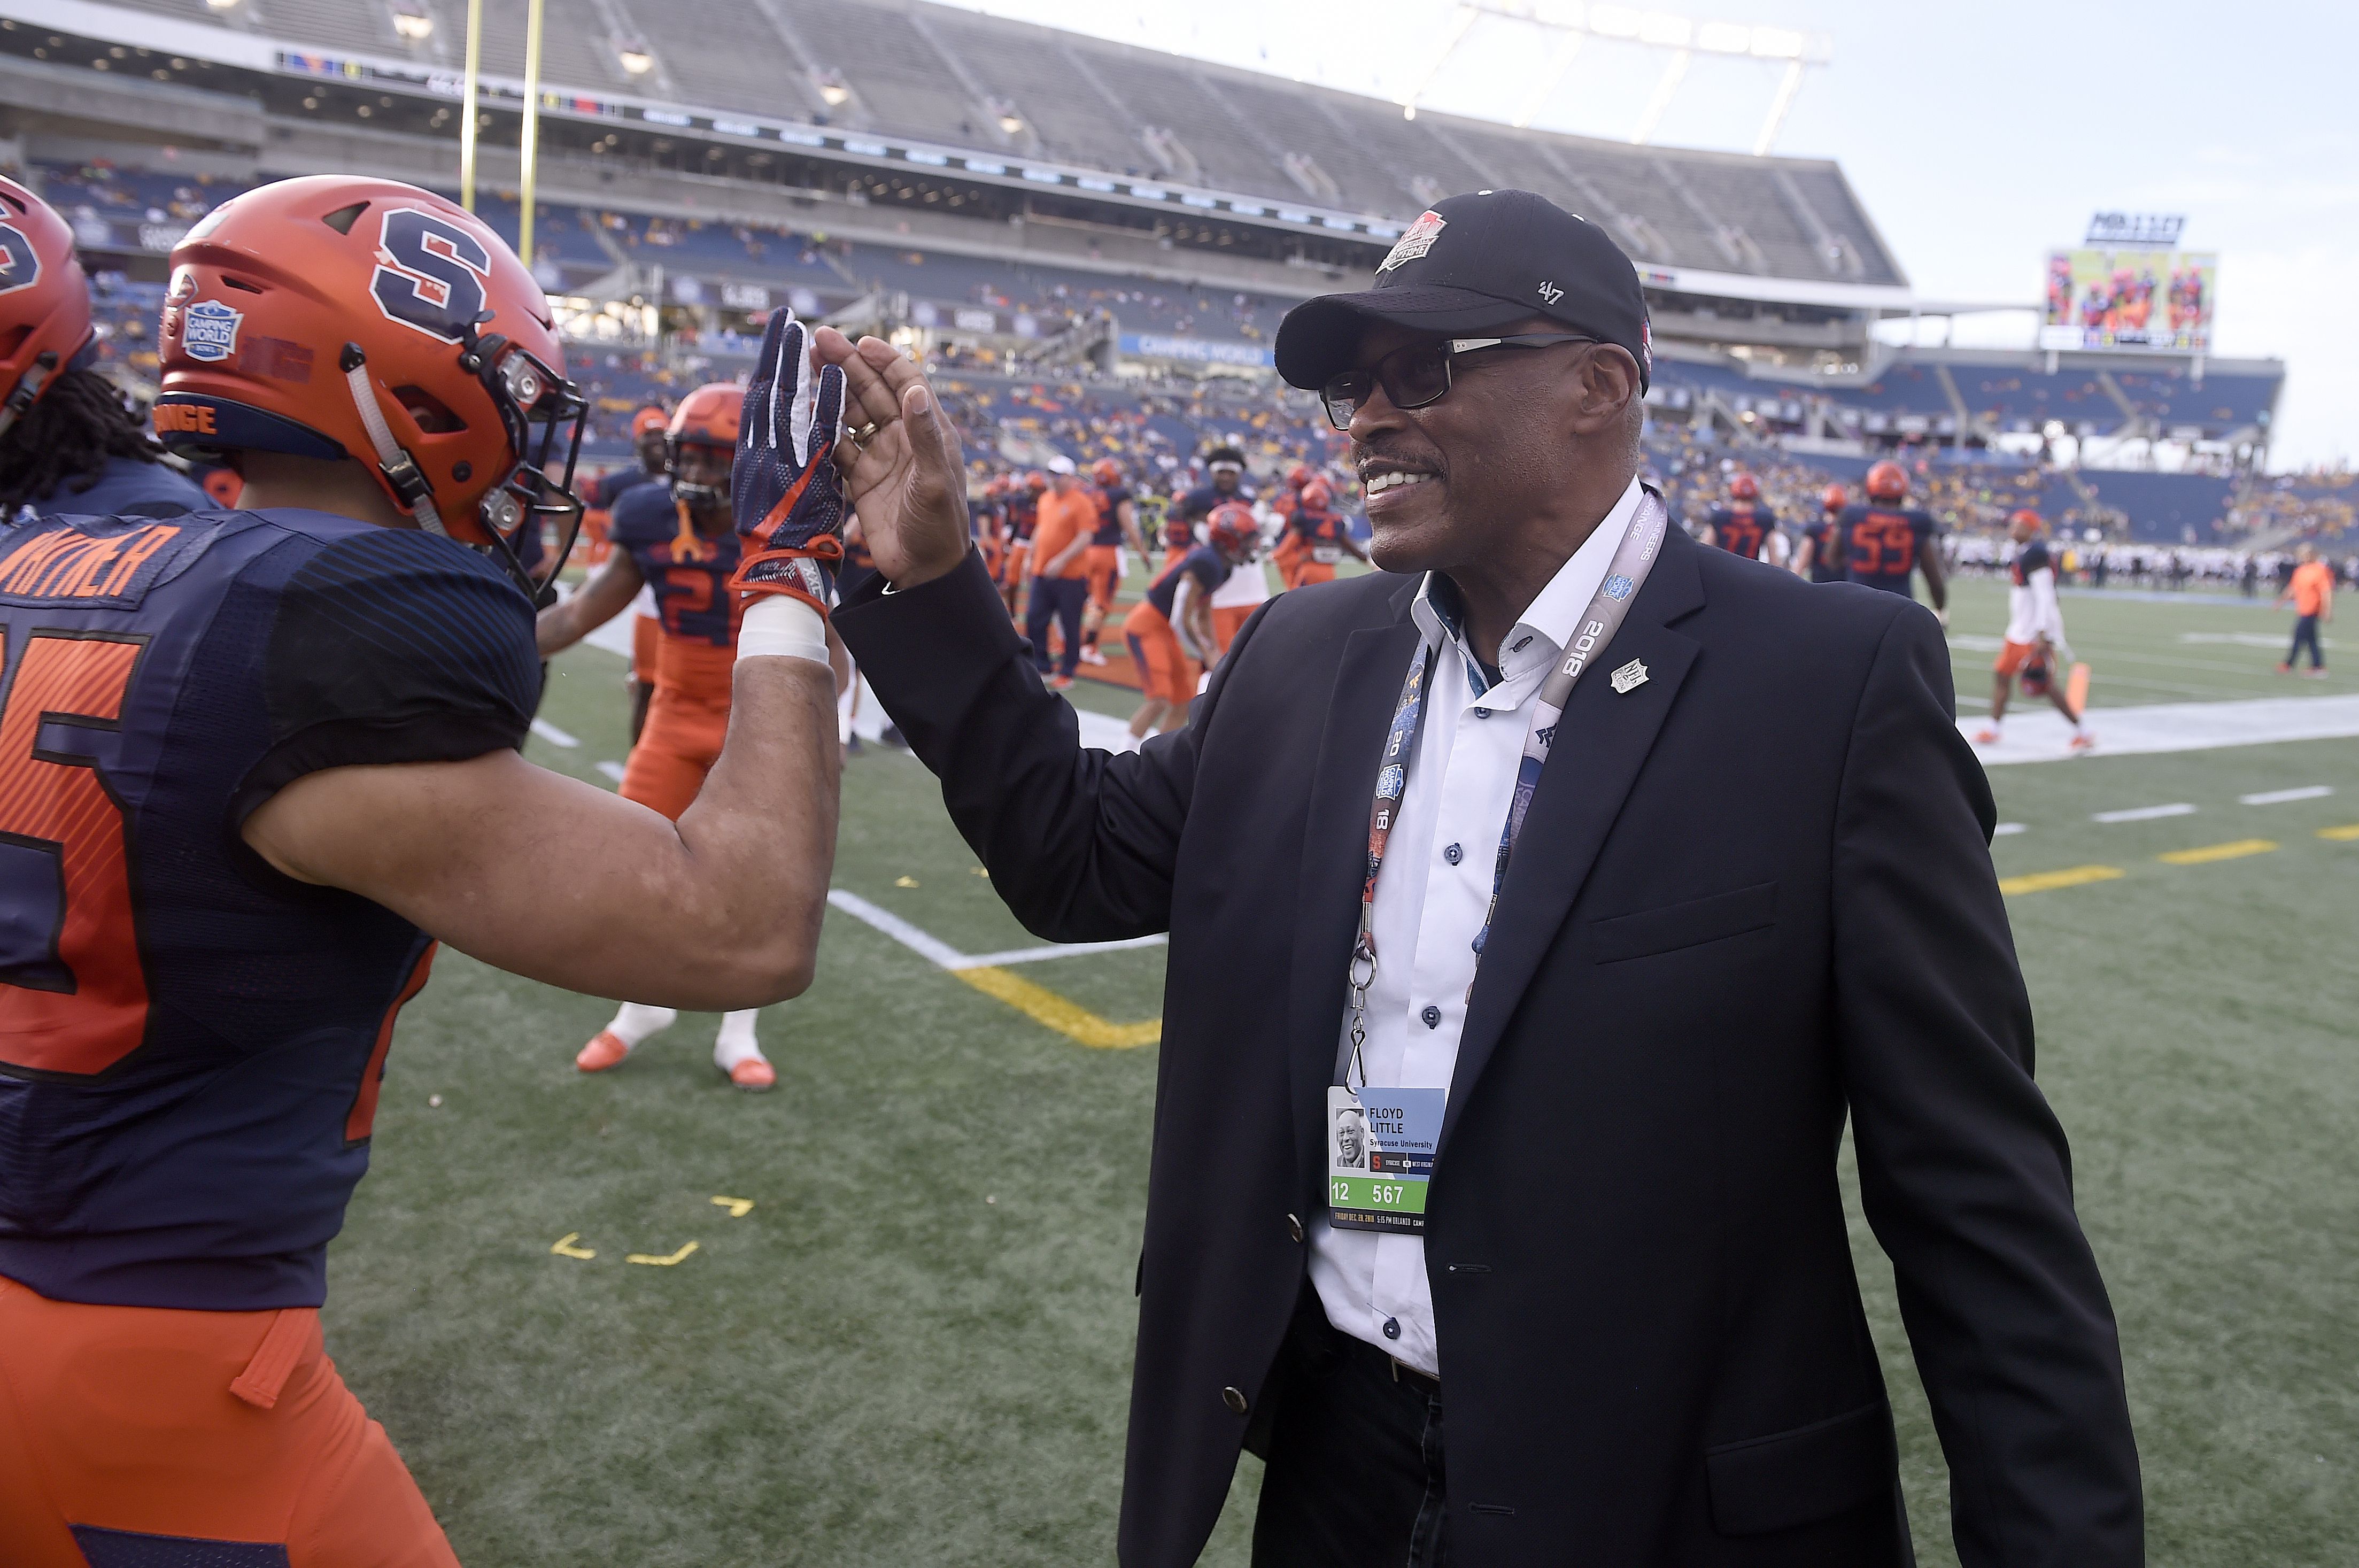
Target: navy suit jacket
1753	895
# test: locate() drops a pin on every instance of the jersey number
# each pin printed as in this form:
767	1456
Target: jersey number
74	997
1883	547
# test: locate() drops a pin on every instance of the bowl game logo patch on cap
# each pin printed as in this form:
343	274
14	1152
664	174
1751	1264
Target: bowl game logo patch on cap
1416	241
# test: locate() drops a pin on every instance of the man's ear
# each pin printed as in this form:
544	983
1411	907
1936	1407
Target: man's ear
1608	385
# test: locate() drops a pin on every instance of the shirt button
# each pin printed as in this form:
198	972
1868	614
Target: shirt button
1432	1016
1392	1328
1235	1399
1454	855
1294	1227
1481	712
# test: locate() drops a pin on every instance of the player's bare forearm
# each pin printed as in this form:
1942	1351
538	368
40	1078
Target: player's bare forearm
1930	559
600	599
563	882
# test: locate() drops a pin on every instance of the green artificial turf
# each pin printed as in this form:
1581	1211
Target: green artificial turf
914	1348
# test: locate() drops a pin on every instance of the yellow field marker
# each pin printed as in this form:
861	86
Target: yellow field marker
738	1207
905	881
659	1262
2343	835
1074	1022
565	1247
2071	877
2209	852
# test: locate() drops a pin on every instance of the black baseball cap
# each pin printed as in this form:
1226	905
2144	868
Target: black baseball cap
1470	264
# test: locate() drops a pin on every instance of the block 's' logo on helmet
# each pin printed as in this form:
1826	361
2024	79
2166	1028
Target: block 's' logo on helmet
20	263
431	274
1415	240
209	330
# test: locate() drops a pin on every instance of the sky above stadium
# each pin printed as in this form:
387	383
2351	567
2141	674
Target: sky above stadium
1978	137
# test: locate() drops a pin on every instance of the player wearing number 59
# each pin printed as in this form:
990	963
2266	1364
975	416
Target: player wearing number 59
253	765
1446	845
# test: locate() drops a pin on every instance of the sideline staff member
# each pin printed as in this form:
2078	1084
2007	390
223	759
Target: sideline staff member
1597	1304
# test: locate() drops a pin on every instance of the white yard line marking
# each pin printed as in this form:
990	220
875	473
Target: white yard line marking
2279	797
613	770
2008	830
552	735
2246	640
930	947
2039	735
2145	814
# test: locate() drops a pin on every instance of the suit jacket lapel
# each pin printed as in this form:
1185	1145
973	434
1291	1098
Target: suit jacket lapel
1604	737
1335	861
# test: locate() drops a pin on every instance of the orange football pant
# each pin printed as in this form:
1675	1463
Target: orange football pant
199	1427
1306	572
1165	671
686	722
1098	564
1228	620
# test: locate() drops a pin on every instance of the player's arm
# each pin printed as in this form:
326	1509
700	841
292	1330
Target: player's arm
1126	514
607	594
569	884
1343	537
1804	553
1928	560
1198	611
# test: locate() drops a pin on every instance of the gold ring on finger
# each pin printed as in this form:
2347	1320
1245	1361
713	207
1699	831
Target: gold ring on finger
864	434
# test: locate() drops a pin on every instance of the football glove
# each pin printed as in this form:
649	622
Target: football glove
783	485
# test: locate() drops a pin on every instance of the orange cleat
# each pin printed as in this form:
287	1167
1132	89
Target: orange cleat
1061	684
2084	741
753	1076
1987	737
603	1051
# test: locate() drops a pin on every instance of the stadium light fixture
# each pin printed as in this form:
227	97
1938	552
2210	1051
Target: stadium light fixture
221	5
833	90
632	50
412	21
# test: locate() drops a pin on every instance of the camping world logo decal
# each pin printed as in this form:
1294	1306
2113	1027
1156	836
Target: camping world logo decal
209	330
1415	240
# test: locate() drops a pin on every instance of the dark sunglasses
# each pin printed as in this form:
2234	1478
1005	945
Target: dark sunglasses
1417	375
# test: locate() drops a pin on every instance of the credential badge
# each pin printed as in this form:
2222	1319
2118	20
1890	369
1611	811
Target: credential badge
1415	240
1631	674
1618	586
209	330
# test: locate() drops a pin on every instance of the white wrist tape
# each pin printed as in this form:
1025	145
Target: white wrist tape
780	625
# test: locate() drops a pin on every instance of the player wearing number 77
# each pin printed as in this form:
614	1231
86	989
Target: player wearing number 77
254	766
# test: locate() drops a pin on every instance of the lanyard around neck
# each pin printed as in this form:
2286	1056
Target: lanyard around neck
1641	546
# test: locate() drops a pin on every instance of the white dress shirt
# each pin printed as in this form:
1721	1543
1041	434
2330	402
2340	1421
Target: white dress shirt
1432	896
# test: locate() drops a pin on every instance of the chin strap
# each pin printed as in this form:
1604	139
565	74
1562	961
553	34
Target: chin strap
400	470
29	390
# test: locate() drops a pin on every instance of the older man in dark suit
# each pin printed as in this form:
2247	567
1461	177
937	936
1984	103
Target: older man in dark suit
1444	854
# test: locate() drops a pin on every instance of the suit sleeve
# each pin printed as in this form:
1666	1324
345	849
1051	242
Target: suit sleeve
1080	843
1964	1169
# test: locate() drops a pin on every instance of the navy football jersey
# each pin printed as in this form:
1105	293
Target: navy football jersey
1881	543
690	577
190	1043
1109	499
612	487
1197	503
1827	549
126	486
1205	564
1742	529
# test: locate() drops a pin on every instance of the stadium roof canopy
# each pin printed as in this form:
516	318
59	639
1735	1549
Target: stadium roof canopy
908	81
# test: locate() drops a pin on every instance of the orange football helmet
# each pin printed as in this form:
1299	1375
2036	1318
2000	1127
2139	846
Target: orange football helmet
1745	487
44	302
707	416
1230	529
1298	475
1834	499
2025	515
1106	471
336	317
1037	482
647	420
1318	495
1887	481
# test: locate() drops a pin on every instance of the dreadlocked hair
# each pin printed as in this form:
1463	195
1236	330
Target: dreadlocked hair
66	439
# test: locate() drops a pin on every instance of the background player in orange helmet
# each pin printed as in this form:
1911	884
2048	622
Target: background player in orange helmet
1744	526
2034	644
1821	555
1884	541
986	519
1170	630
679	541
283	762
1321	535
1117	524
1023	507
68	441
648	427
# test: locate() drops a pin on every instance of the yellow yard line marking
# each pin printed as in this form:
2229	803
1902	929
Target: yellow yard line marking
659	1262
2209	852
2071	877
565	1247
738	1207
1045	1007
2343	834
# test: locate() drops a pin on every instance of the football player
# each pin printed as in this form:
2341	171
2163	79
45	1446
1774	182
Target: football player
1744	526
1023	518
1117	524
1224	467
68	441
257	765
1821	555
680	542
1886	543
1321	535
2035	632
1170	630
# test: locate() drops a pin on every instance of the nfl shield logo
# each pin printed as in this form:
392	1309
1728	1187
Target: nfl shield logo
1618	586
1631	675
209	330
1415	240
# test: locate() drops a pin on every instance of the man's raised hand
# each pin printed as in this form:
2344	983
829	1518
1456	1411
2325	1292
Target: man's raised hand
902	468
784	490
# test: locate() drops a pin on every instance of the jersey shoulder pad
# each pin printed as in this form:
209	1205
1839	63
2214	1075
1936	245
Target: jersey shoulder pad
644	515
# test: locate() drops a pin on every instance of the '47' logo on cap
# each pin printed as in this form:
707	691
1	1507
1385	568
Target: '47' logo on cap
1415	240
1550	293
